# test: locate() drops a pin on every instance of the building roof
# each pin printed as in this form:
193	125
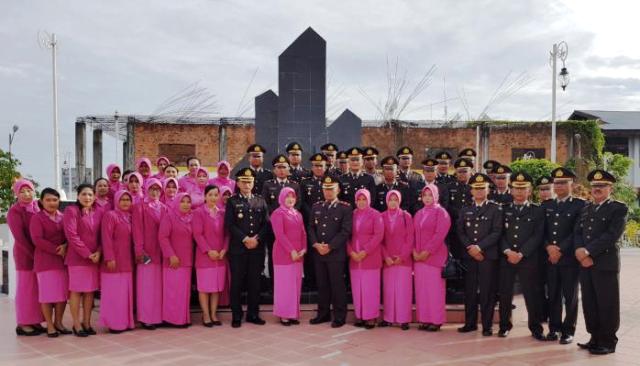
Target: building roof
612	120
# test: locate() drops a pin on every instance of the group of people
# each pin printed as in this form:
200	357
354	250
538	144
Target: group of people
377	226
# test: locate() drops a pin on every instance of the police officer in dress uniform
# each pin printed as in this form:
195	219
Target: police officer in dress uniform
371	162
311	193
520	245
444	163
329	230
247	219
270	192
343	163
561	223
501	178
356	178
459	196
405	173
296	170
430	175
545	188
479	227
390	171
331	152
255	154
470	154
488	166
601	225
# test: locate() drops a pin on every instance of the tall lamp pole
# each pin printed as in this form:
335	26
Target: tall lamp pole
12	137
49	41
561	51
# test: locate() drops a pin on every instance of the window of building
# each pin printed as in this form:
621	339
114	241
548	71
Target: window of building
177	153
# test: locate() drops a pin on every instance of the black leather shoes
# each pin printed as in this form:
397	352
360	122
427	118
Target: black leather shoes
404	326
552	336
487	332
503	333
539	336
337	323
359	323
257	320
600	350
21	332
468	328
235	323
566	339
588	345
319	320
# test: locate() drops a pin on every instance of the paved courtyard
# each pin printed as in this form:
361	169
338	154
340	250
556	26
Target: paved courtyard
274	344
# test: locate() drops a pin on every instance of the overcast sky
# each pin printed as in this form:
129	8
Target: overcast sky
128	56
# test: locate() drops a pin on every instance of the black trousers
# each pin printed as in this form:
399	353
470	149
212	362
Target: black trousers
246	267
562	283
543	286
480	284
331	288
530	283
601	305
309	280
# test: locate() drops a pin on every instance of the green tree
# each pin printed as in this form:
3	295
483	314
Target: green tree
8	174
536	168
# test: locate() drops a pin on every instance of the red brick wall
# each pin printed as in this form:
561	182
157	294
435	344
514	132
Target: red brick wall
387	140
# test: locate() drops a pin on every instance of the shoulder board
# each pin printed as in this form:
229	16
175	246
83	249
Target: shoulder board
344	203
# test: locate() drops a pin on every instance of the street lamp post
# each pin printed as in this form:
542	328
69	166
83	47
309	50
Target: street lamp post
12	137
49	41
560	50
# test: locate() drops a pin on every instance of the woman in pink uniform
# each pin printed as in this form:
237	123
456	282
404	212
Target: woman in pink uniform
397	247
289	249
146	218
48	237
104	198
222	176
431	225
197	191
161	163
365	252
211	263
170	188
82	229
116	285
188	181
176	241
143	166
28	313
114	173
134	186
171	171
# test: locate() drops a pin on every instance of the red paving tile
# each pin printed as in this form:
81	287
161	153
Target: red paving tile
273	344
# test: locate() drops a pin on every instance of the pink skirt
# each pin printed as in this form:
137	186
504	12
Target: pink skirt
27	306
116	300
286	290
149	293
53	286
398	292
430	294
211	279
84	278
176	293
365	288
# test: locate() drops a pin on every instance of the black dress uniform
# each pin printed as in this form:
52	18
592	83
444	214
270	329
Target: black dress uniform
350	182
330	223
246	216
443	158
522	235
480	225
601	226
561	224
505	197
410	177
380	199
310	193
297	173
261	175
371	153
459	196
